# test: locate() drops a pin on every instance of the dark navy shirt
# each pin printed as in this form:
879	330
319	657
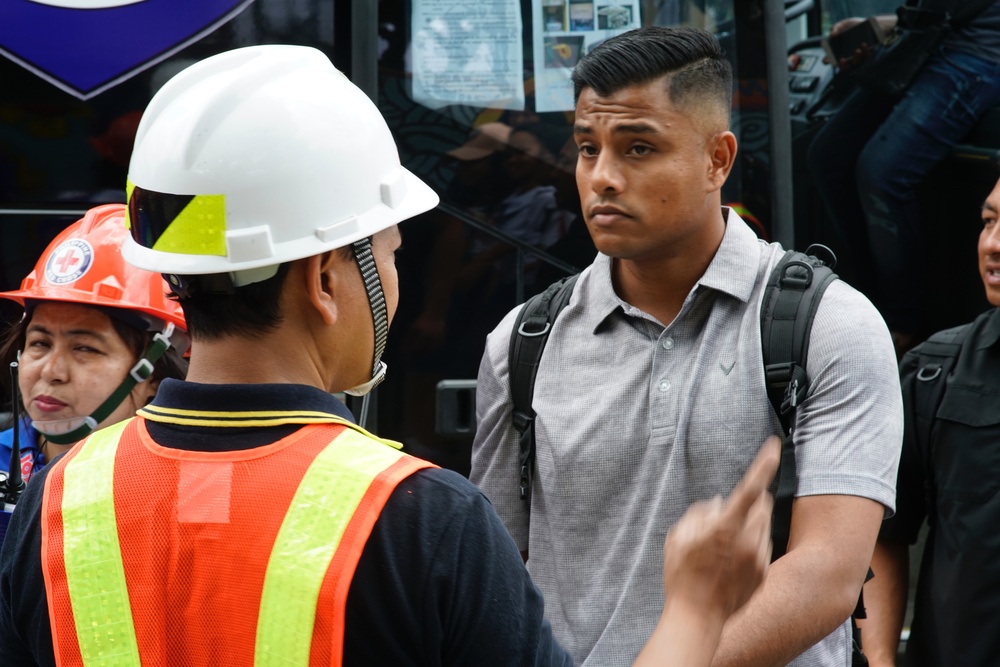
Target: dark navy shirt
439	582
954	482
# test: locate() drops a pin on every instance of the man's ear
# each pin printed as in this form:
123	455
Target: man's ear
321	273
721	151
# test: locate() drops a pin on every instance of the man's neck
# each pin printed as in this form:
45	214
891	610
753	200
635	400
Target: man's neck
235	360
658	284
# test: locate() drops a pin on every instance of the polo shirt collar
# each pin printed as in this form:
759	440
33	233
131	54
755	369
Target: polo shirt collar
602	300
733	270
297	398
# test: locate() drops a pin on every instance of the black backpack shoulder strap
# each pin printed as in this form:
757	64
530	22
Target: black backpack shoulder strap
792	296
527	341
936	358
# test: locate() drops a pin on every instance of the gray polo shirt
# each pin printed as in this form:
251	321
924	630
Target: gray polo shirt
636	421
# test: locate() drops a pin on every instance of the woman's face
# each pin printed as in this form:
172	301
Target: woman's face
72	360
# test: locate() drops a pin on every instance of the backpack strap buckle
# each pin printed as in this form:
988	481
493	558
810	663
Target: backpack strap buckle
929	373
778	375
521	420
523	329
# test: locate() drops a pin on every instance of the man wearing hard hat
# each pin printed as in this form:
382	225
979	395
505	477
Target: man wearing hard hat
242	518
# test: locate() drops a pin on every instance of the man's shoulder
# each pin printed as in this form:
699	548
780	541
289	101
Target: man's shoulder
434	492
849	332
443	513
442	481
965	352
984	330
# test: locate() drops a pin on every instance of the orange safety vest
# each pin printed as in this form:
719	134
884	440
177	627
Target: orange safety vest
158	556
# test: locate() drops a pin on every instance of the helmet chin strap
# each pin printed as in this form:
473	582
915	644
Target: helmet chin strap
380	316
74	429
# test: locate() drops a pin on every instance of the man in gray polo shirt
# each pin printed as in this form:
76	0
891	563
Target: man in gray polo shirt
650	395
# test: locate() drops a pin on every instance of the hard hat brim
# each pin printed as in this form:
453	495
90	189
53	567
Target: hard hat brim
419	198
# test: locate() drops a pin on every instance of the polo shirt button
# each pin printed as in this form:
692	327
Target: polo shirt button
668	343
664	385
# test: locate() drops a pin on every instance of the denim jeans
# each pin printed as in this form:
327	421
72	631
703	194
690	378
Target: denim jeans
869	160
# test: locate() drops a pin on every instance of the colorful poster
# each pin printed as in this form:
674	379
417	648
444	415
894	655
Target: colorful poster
564	31
468	53
85	47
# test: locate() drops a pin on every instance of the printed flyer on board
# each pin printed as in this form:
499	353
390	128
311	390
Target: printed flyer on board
468	53
564	31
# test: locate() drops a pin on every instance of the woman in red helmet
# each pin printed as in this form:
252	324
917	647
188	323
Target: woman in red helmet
96	338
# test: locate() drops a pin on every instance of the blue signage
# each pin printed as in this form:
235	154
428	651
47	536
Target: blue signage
87	46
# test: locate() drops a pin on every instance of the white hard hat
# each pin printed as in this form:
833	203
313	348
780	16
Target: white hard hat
259	156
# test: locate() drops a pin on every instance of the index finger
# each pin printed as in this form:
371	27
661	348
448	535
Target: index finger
756	479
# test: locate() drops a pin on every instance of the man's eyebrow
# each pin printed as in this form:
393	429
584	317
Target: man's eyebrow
987	206
625	128
635	128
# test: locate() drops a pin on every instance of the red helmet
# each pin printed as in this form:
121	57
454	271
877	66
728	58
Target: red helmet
84	265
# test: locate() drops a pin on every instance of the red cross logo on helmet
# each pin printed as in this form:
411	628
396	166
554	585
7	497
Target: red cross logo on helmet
69	262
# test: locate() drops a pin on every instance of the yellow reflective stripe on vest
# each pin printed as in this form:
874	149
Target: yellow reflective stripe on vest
95	575
310	533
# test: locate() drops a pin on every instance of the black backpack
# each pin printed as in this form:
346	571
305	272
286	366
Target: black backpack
792	295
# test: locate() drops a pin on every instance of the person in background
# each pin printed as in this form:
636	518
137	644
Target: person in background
90	320
949	475
869	159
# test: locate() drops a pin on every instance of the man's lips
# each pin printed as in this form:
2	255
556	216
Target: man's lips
990	263
48	404
606	214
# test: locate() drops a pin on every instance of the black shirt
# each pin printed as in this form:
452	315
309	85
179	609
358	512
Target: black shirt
957	614
439	582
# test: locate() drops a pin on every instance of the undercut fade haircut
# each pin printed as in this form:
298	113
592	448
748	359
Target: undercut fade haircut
250	311
693	57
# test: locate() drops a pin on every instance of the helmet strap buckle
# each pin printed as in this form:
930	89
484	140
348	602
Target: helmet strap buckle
141	371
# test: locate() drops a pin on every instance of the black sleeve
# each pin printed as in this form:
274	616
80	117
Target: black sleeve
25	633
442	576
911	502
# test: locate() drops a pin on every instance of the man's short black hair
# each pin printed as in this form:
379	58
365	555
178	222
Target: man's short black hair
693	57
250	311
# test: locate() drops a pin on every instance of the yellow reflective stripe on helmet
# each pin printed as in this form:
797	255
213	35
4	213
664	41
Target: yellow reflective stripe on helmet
95	575
129	187
310	533
199	229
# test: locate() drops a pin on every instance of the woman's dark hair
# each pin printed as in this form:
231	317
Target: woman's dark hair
170	365
694	58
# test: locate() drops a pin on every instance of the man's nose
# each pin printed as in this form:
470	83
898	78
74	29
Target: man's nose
990	239
606	175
